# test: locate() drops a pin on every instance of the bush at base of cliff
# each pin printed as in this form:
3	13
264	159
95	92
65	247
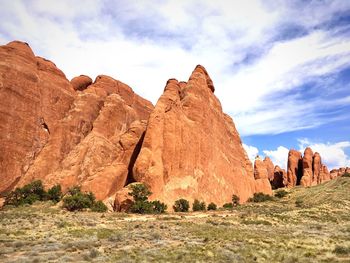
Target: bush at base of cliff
198	205
260	197
181	205
281	193
28	194
99	206
212	206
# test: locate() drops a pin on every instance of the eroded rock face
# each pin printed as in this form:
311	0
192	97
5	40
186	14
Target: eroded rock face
339	172
260	169
307	177
192	149
34	96
317	168
270	168
280	178
294	170
49	131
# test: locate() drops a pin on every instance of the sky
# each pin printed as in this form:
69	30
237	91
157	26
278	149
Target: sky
281	69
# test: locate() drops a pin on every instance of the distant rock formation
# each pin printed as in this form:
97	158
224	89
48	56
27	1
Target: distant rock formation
294	168
280	178
339	172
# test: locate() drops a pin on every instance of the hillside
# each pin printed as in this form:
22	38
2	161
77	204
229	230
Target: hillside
308	225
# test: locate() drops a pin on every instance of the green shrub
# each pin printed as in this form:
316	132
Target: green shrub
77	202
55	193
281	193
99	206
228	206
212	206
340	250
260	197
159	207
346	175
235	200
181	205
299	203
141	207
28	194
198	206
140	192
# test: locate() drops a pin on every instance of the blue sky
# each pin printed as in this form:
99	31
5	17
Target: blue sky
281	68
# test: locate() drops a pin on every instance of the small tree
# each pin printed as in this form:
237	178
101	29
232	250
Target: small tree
28	194
235	200
181	205
159	207
140	192
198	205
99	206
54	193
260	197
212	206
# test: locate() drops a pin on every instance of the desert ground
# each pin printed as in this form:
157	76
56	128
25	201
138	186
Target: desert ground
308	225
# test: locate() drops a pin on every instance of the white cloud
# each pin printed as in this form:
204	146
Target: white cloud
252	152
144	43
279	156
332	154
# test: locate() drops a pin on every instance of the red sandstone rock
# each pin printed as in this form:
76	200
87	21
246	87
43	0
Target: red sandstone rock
192	149
34	96
50	132
307	177
317	168
81	82
294	165
280	178
270	168
260	169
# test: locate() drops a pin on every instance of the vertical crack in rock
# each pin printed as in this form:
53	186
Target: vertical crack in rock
130	179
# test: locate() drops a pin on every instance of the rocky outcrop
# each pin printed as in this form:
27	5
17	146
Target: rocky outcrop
307	178
280	178
81	82
270	168
339	172
306	170
34	96
260	169
294	168
68	133
192	149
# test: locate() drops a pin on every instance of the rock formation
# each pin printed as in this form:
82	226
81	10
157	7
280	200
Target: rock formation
339	172
97	135
260	169
192	149
307	178
270	168
68	133
294	170
279	179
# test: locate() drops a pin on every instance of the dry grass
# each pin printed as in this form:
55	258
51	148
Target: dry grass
273	231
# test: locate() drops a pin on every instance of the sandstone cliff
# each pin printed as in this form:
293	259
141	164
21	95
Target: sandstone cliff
70	133
192	149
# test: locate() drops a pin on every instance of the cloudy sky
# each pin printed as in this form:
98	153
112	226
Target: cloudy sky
281	68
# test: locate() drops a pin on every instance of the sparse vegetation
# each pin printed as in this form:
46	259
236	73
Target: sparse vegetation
99	206
228	206
181	205
346	175
212	206
260	197
198	205
141	205
54	193
235	200
281	193
299	202
278	231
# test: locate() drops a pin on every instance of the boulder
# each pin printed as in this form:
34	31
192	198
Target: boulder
81	82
